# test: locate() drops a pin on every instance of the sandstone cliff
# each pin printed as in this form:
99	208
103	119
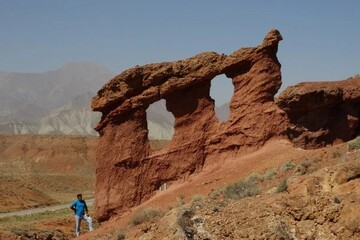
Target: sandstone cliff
322	113
128	173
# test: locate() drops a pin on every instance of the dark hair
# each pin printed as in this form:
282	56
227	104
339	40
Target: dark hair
79	195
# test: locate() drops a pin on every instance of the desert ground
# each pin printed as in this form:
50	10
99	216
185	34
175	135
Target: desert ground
45	170
286	193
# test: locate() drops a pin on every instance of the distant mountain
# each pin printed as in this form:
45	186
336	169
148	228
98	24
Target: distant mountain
160	121
77	118
73	118
58	102
53	88
223	112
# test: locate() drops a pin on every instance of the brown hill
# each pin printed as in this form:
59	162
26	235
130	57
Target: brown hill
320	201
44	170
300	194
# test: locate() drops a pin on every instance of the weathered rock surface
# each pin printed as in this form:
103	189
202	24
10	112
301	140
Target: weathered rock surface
128	173
315	206
9	236
322	113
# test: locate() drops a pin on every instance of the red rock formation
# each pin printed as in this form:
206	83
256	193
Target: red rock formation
309	114
322	113
126	172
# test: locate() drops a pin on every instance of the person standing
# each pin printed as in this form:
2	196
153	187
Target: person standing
81	212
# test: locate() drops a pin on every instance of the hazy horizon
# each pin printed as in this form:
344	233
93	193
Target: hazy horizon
320	39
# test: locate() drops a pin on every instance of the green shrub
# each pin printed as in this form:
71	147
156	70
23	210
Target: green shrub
144	215
197	198
354	144
215	193
307	166
256	177
270	174
241	189
287	166
282	187
298	169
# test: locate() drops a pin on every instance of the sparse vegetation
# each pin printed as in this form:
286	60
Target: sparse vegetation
241	189
270	174
256	177
287	166
354	144
282	187
215	193
34	223
197	200
144	215
269	181
337	199
185	223
298	169
121	234
307	167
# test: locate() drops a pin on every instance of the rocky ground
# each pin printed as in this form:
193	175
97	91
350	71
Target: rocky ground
281	192
297	194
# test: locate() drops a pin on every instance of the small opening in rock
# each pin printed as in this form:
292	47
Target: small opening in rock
222	91
160	125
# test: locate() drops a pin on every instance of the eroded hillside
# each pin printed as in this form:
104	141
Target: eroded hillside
45	170
277	192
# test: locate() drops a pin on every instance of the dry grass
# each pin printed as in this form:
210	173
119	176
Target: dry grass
354	144
282	187
145	215
244	188
50	221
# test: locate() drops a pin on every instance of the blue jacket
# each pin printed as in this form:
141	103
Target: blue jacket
80	206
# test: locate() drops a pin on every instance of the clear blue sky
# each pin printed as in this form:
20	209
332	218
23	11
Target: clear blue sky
321	38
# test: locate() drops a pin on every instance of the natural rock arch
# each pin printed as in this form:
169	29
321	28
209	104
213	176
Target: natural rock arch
126	172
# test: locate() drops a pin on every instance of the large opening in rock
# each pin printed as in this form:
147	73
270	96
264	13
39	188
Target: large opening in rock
222	91
160	125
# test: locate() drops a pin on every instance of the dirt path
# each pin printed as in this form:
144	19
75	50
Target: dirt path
89	202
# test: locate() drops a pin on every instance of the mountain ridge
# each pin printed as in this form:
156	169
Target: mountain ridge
58	102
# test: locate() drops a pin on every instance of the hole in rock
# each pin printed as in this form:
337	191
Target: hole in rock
222	91
160	125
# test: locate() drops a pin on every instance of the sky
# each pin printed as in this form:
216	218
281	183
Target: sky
321	37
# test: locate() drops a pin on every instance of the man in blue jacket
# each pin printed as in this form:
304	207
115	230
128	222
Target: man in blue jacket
81	212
